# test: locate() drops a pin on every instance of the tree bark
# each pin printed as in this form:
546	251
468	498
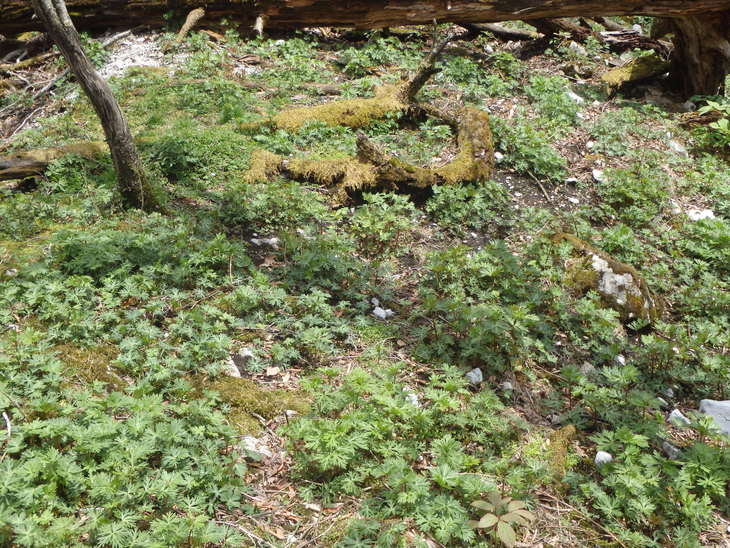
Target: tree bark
15	15
701	59
132	182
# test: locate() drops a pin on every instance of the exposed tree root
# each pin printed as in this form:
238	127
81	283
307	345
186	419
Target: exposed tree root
372	168
191	20
639	69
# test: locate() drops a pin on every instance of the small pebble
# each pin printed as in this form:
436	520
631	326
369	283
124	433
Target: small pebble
671	451
573	200
602	457
506	386
700	214
382	313
599	176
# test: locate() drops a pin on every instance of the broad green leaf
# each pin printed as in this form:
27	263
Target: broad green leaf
488	520
516	505
506	534
483	505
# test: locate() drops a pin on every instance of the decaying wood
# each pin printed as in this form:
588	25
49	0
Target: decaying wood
16	15
704	72
501	32
191	20
20	165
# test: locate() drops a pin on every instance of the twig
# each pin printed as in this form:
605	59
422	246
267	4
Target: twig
246	532
25	120
539	184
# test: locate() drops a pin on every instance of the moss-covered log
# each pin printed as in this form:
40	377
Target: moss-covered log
30	163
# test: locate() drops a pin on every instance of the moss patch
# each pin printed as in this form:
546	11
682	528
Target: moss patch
354	113
245	399
620	285
639	69
558	449
92	364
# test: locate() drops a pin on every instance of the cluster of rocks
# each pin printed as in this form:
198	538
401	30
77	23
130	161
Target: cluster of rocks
380	312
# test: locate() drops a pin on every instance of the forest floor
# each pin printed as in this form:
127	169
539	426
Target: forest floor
289	363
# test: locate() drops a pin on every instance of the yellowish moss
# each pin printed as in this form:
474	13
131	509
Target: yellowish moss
475	159
638	69
558	449
246	399
264	164
47	155
354	113
91	364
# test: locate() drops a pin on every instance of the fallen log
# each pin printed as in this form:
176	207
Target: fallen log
702	27
21	165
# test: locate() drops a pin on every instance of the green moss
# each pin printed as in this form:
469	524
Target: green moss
558	449
91	364
582	276
246	399
354	113
638	69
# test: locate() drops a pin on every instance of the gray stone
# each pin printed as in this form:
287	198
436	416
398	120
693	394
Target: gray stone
620	360
602	457
719	411
599	175
241	358
587	368
254	445
506	385
411	396
677	418
671	451
576	48
475	376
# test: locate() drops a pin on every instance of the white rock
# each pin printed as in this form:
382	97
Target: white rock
272	242
637	28
11	272
475	376
241	358
488	49
678	148
599	175
498	156
700	214
602	457
573	200
575	97
590	145
249	443
231	369
411	396
571	180
617	286
620	360
382	313
719	411
575	47
677	418
374	301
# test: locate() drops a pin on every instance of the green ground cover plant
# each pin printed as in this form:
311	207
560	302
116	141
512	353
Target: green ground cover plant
124	424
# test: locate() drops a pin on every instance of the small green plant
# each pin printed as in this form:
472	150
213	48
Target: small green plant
383	222
503	514
527	149
483	207
717	133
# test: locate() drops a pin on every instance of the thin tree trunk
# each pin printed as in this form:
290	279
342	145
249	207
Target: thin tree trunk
132	182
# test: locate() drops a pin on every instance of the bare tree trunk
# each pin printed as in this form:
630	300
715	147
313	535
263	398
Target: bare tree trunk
132	182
